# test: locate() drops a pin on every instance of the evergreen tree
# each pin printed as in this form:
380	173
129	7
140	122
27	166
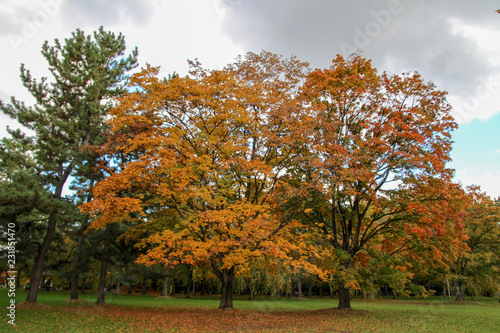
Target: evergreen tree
67	118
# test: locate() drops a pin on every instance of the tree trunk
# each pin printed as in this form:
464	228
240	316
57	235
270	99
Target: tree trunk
344	294
164	287
226	299
129	289
189	280
76	261
310	291
188	285
203	288
299	287
449	289
36	278
344	298
459	285
84	282
117	290
104	266
226	277
74	279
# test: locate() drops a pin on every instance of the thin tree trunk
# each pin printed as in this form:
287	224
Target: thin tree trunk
188	285
251	296
36	278
104	266
299	286
164	287
84	282
76	262
203	288
129	289
188	282
117	290
459	285
310	291
449	289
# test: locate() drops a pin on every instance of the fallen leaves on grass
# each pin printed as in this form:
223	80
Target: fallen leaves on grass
32	306
204	320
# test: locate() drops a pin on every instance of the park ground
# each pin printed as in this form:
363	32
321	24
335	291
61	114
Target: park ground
136	313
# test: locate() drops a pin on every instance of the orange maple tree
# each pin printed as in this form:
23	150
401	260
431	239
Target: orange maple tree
205	157
377	163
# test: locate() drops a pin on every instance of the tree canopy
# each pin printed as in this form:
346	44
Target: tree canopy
266	158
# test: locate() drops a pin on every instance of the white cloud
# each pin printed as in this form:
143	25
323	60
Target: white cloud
488	181
167	33
448	42
495	153
481	102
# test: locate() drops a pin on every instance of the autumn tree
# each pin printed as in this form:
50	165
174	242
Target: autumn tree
210	153
478	269
68	115
377	164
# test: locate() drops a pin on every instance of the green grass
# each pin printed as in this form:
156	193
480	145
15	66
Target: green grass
266	314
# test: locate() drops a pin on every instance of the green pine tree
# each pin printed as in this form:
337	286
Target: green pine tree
67	118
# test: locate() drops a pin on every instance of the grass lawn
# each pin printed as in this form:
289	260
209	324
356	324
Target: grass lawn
132	313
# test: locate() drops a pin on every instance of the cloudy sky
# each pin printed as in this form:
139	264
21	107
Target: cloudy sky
454	43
